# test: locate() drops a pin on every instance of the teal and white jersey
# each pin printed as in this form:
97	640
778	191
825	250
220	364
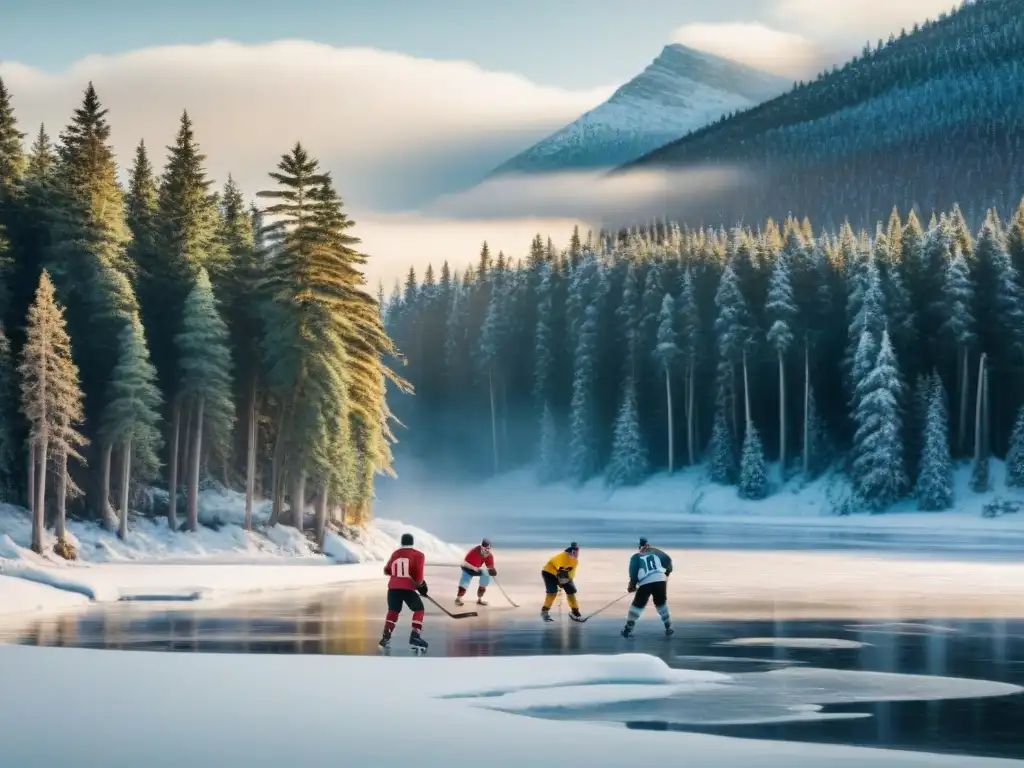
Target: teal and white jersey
649	566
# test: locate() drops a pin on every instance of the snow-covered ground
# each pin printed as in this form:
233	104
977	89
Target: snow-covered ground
227	710
686	507
154	563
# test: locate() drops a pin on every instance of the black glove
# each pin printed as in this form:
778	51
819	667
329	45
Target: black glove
422	588
631	587
386	571
492	571
668	573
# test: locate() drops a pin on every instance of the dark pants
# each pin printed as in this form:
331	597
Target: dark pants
658	591
551	584
409	597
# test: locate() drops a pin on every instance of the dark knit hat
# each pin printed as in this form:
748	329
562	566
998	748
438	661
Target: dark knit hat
406	539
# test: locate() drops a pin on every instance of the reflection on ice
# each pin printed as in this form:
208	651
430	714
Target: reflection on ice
783	695
822	643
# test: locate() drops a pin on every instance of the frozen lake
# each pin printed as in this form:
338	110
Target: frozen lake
800	635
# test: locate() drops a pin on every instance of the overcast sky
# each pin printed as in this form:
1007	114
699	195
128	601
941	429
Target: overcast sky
401	99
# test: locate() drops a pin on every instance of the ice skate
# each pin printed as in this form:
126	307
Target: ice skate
546	614
669	631
385	641
575	615
459	601
417	643
627	631
481	601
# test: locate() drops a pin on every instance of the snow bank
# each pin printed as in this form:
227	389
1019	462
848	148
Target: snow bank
514	508
377	711
20	596
155	563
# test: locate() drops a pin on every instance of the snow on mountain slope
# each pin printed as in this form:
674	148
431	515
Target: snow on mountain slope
680	90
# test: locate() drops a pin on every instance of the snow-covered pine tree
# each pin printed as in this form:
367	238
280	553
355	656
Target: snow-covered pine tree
782	310
204	355
722	467
689	330
958	330
629	315
8	399
733	329
51	401
544	357
1015	454
549	458
753	476
628	464
867	296
819	451
582	449
493	336
667	354
132	413
934	490
878	442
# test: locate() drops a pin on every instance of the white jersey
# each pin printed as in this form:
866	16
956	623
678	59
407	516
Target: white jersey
648	567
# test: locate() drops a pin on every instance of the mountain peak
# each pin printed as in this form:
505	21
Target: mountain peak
680	90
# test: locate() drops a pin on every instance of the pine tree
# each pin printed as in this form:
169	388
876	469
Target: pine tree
12	157
816	434
52	402
629	318
667	354
549	464
734	331
132	413
204	354
689	343
628	465
721	450
1015	455
141	215
8	397
582	451
878	462
544	356
958	330
753	477
782	310
934	489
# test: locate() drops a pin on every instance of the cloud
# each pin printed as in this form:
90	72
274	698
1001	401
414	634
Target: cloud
753	43
596	197
861	19
398	241
394	129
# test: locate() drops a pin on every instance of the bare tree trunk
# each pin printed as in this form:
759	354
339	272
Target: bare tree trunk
671	423
986	419
782	416
126	474
188	409
746	390
321	516
299	500
172	490
31	476
193	480
60	523
964	385
105	511
978	435
807	409
691	415
278	465
494	417
40	503
250	459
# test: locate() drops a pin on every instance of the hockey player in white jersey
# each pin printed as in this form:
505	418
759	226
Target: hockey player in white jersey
649	569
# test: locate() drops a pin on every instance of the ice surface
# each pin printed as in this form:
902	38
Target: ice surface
191	710
823	643
903	628
791	694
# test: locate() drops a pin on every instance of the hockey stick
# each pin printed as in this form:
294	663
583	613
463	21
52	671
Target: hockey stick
513	602
466	615
602	610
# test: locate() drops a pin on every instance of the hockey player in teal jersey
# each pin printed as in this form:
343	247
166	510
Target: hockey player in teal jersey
649	569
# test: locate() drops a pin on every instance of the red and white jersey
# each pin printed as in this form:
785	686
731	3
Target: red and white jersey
405	567
475	559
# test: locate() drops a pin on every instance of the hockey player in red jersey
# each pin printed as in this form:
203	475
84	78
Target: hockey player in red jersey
479	561
405	567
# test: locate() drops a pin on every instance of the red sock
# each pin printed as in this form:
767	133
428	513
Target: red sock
417	621
390	621
462	591
480	592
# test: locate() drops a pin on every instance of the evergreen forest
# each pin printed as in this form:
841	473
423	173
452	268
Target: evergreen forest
169	335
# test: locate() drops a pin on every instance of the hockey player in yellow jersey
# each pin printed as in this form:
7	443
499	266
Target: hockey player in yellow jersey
558	573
